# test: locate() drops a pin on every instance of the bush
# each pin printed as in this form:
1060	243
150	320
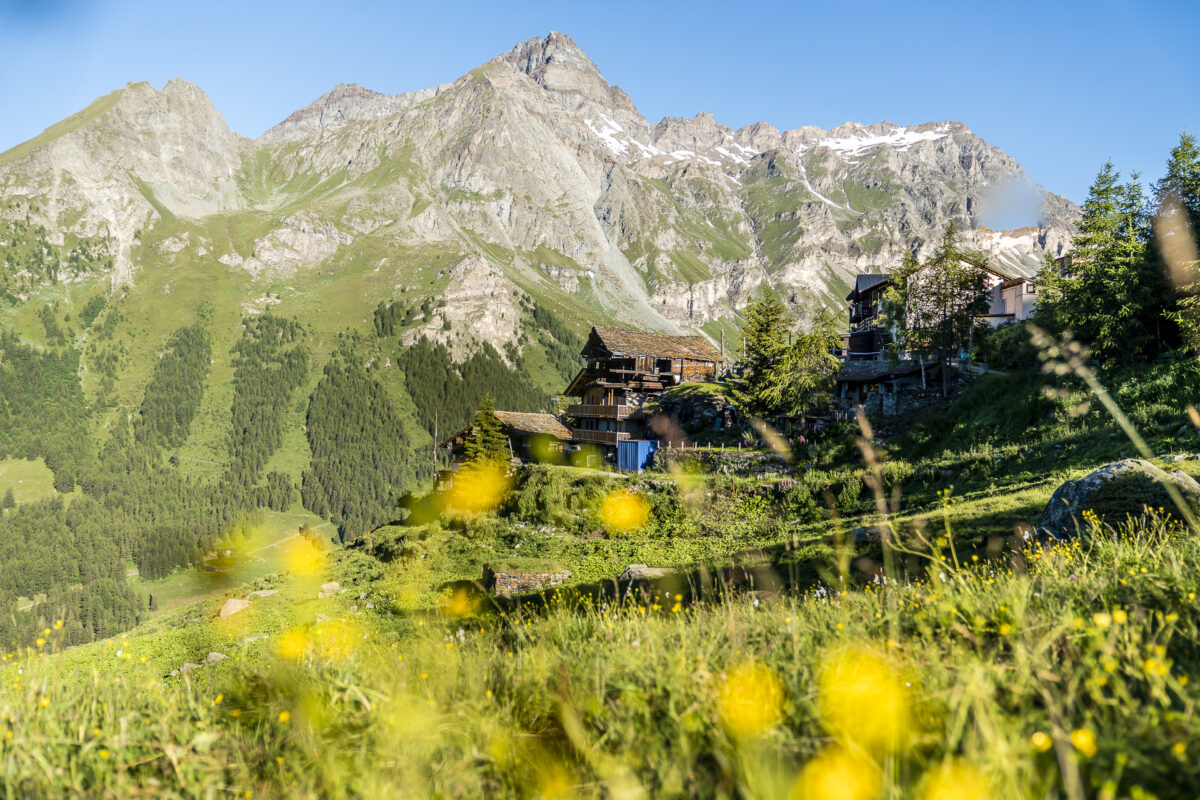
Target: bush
1005	348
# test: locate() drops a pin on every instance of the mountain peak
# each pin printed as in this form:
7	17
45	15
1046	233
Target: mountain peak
540	56
559	65
343	103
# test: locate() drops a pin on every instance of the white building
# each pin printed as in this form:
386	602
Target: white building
1013	300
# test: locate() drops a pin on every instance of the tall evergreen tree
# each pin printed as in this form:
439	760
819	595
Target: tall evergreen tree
1110	294
9	501
764	340
1176	230
803	377
487	443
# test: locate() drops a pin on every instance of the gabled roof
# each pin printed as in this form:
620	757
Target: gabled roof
523	422
629	342
866	281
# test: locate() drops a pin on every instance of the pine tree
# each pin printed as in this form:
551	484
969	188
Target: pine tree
803	377
1110	294
9	500
487	443
1176	231
764	340
1182	180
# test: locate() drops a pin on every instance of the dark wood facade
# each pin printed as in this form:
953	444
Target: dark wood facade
866	338
626	367
530	436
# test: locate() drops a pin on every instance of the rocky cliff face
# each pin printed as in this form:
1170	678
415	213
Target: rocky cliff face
549	177
120	164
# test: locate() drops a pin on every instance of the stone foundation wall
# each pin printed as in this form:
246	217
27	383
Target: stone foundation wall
510	583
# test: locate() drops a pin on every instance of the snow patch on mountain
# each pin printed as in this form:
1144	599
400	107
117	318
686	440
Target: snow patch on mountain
900	139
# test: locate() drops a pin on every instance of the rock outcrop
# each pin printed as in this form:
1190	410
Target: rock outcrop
1112	493
232	606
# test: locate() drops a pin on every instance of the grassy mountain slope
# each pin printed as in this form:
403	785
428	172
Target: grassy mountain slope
994	667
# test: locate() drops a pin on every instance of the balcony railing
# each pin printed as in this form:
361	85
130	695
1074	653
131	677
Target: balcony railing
599	437
602	411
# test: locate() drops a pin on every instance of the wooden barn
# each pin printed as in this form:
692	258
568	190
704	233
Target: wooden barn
530	436
625	368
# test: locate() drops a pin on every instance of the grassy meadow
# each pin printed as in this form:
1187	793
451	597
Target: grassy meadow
780	660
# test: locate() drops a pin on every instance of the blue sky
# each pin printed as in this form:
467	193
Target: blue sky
1060	86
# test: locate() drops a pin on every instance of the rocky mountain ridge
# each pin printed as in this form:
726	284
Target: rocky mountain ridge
538	166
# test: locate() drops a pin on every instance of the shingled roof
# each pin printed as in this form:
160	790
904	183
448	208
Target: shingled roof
534	423
629	342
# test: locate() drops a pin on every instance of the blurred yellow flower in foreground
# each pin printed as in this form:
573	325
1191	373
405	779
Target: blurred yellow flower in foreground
302	557
292	644
338	639
1084	741
478	488
864	699
556	782
624	511
750	700
956	780
838	774
458	604
1041	741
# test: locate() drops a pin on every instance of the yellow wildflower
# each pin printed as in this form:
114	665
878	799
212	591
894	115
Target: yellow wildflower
864	699
1084	741
839	774
292	644
750	700
478	488
624	511
955	780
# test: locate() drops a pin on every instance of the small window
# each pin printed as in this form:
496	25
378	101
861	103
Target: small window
1030	288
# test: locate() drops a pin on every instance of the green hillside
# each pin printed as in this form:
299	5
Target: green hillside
993	667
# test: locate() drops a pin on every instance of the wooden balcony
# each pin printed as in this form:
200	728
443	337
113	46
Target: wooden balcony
601	411
609	438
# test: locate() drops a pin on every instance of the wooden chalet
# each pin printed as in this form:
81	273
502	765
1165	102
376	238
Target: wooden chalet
626	367
530	436
866	338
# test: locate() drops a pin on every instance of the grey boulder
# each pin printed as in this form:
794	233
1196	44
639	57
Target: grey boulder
1114	492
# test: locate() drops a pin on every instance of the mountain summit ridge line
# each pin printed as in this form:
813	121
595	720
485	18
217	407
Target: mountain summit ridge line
535	163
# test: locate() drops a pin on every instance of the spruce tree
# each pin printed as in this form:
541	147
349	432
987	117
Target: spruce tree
803	377
486	443
9	500
1110	295
1176	235
764	340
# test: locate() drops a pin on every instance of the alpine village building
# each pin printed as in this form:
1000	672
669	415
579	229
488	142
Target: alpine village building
868	377
624	369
